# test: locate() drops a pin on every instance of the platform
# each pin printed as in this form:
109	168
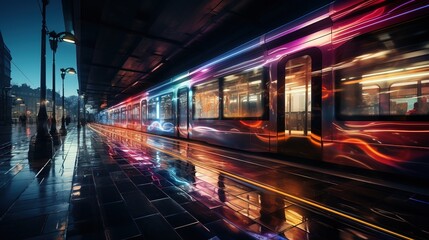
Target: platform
102	185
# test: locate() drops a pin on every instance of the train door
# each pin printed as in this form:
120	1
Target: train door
299	104
182	112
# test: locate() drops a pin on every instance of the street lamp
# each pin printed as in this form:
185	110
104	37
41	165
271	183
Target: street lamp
64	71
41	146
53	41
78	108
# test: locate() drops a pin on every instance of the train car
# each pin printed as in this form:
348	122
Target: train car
347	84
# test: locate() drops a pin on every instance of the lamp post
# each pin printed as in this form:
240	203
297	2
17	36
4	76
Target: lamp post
53	41
84	111
78	108
41	143
64	71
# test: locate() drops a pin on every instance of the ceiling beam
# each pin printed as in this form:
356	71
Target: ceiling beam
114	67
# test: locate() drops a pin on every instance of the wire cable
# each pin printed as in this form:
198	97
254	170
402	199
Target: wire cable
14	64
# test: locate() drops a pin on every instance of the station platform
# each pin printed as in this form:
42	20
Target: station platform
109	183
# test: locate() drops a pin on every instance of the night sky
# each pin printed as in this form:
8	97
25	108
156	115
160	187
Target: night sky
20	25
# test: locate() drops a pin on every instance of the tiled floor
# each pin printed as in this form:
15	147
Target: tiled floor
35	195
111	188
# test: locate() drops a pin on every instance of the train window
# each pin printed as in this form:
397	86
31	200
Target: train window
206	100
166	107
123	115
129	113
144	111
243	94
116	115
153	108
298	95
135	112
371	99
405	100
384	74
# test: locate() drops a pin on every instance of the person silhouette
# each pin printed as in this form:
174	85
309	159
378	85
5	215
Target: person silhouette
413	111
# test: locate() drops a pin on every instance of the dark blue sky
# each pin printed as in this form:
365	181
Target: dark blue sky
20	25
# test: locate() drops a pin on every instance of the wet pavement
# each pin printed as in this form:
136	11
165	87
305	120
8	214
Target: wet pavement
35	195
114	187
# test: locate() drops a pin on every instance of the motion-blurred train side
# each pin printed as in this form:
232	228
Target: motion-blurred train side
346	84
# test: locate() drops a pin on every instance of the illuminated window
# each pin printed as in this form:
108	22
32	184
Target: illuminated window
298	96
243	94
183	106
130	113
402	98
406	100
144	111
135	112
123	115
166	107
384	74
116	115
153	108
206	100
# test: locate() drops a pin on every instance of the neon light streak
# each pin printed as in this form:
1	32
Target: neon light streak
372	152
256	124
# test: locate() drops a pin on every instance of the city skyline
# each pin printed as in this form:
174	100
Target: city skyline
20	25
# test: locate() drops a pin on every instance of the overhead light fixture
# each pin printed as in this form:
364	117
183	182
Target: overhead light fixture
68	37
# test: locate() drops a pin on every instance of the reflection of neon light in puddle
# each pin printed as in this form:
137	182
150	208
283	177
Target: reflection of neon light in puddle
177	179
274	190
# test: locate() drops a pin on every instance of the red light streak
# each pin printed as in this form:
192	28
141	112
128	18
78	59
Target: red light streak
256	124
325	93
372	152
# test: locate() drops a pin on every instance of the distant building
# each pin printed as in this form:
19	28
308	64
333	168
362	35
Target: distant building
5	70
25	100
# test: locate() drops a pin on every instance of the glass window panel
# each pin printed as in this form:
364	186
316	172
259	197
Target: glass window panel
371	99
144	111
183	101
402	98
153	107
384	73
298	95
116	115
123	115
206	100
135	112
424	106
166	107
242	94
129	112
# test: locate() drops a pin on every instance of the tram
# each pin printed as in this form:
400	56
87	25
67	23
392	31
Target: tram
346	84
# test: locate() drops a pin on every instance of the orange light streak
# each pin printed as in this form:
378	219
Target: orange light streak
372	152
256	124
325	93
